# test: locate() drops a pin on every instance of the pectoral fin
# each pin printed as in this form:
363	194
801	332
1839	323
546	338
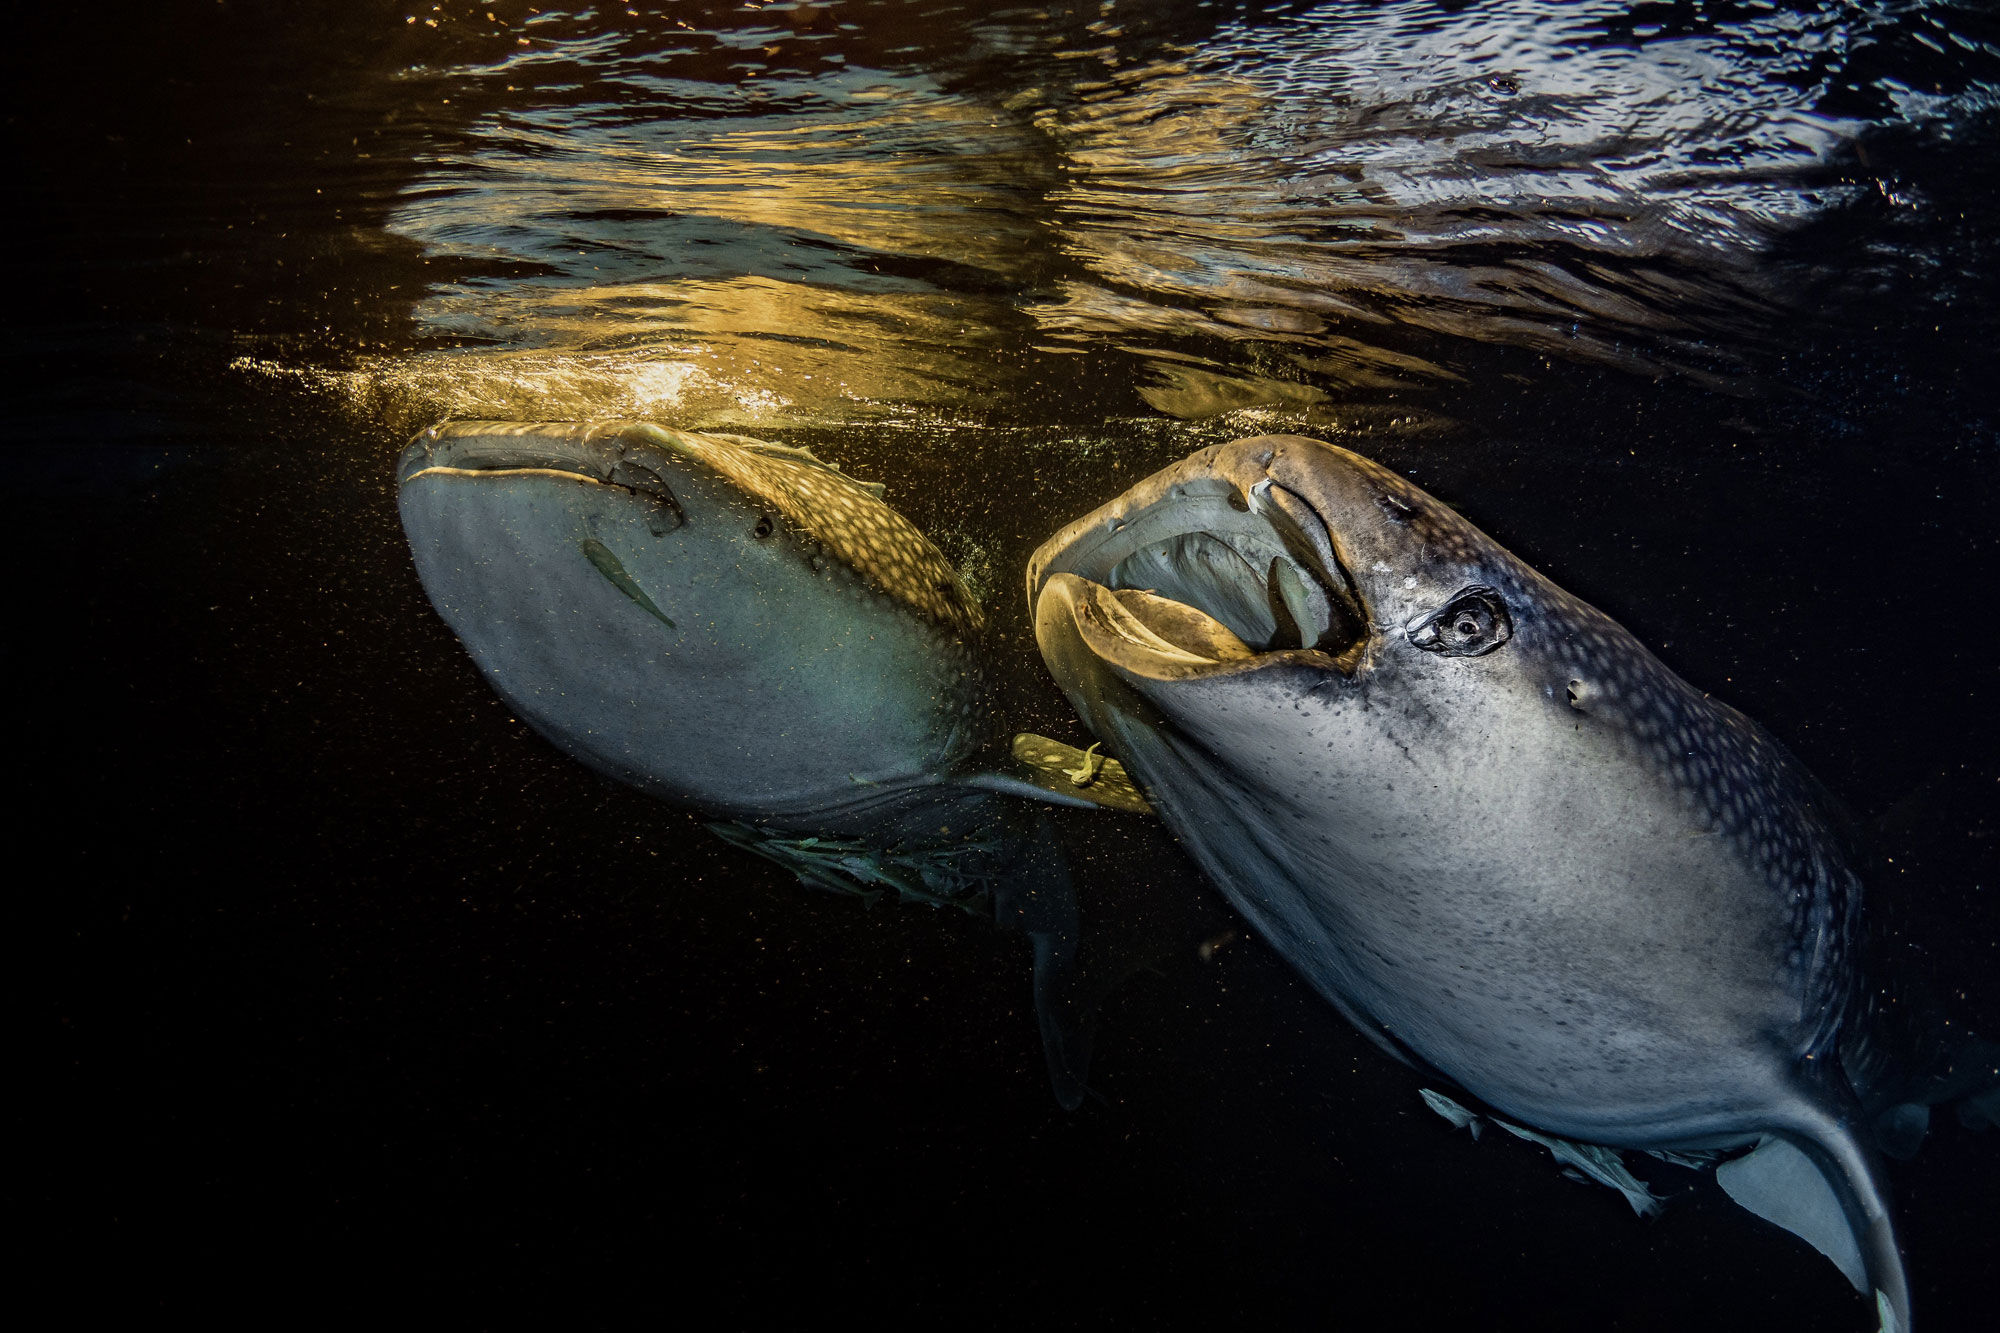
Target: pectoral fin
1781	1184
1053	771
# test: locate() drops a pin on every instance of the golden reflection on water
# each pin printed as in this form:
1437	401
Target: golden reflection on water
1484	178
1296	215
834	265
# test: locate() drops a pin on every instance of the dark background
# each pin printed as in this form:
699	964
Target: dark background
348	998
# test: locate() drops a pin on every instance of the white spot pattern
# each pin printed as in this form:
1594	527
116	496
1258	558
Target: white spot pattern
853	525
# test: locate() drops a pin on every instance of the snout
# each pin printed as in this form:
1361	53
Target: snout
617	454
588	449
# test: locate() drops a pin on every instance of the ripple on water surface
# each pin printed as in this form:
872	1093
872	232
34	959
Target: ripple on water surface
836	212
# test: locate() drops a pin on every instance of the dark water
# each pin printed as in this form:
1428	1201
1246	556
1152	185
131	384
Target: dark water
350	998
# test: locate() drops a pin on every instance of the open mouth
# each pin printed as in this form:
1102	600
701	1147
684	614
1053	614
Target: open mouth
614	455
1210	573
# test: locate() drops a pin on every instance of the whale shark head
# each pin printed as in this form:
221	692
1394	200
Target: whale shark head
1334	683
730	624
1280	566
1502	837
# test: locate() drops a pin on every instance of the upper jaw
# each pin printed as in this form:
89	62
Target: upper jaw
1090	546
621	454
1238	569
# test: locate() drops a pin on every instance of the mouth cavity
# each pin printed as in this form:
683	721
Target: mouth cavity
1225	576
591	455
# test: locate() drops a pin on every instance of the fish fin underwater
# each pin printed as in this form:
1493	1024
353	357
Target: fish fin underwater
1908	1052
1782	1185
1035	895
856	868
1776	1180
1018	878
1981	1110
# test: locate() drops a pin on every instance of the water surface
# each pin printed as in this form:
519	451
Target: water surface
361	990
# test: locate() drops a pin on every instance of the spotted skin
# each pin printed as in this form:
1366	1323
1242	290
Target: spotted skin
1537	864
1732	775
744	630
783	608
873	539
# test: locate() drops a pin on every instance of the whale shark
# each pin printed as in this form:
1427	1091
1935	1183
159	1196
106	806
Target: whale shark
1505	840
745	630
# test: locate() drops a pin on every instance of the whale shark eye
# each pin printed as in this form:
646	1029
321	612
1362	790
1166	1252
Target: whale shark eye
1471	623
765	527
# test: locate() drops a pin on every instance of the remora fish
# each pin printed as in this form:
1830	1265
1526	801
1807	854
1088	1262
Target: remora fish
1495	831
738	627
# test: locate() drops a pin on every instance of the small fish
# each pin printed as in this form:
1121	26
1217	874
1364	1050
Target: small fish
608	565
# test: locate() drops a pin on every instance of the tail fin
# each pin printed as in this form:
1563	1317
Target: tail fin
1818	1179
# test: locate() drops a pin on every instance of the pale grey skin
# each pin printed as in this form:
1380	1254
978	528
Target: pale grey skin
740	628
791	688
1538	863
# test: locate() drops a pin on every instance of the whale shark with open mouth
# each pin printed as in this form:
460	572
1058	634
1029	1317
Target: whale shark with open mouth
741	628
1506	841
